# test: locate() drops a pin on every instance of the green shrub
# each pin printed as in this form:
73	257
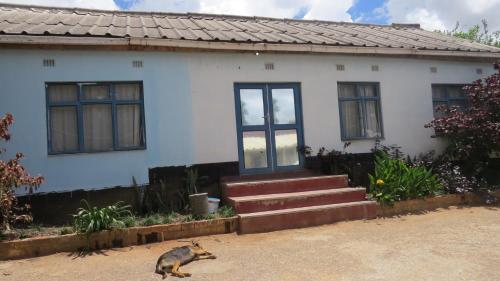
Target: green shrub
93	219
225	212
153	219
394	180
65	230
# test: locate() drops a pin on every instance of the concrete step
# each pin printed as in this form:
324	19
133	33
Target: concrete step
306	216
260	203
238	189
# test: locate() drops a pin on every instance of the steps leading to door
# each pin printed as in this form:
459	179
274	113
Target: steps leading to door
274	204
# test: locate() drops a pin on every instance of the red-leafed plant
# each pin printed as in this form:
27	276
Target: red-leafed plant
473	133
12	176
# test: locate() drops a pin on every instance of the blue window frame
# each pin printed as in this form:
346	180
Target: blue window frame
87	117
448	96
360	110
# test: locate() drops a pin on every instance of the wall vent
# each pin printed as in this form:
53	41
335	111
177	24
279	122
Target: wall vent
434	69
340	67
374	67
479	71
137	64
269	66
49	62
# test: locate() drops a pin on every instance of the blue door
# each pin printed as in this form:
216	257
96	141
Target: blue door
269	122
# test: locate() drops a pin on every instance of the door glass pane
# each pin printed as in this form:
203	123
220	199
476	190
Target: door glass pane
286	147
97	128
283	106
351	119
455	92
438	92
252	107
95	92
254	149
63	129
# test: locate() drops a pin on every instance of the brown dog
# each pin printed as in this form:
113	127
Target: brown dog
171	261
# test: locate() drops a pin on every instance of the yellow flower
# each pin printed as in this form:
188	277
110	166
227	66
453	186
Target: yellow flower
380	182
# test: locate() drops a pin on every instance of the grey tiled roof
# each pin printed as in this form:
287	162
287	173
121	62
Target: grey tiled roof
67	22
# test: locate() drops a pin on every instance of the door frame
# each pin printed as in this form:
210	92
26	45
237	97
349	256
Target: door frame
269	127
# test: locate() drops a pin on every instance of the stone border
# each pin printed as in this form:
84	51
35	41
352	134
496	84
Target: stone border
41	246
428	204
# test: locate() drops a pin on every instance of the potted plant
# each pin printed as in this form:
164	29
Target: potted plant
197	201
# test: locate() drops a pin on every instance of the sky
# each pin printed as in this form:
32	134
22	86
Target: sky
431	14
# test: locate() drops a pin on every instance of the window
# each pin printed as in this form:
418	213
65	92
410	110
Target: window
93	117
360	115
447	96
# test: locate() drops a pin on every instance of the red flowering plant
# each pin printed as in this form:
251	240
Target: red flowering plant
12	176
473	133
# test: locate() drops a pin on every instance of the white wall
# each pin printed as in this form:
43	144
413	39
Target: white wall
189	105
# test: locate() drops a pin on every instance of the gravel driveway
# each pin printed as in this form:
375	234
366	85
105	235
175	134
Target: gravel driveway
451	244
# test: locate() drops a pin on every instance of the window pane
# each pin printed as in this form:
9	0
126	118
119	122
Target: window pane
63	129
347	91
254	149
283	106
97	128
62	93
95	92
351	119
373	127
455	92
286	147
128	119
439	113
252	107
368	90
127	92
438	92
461	104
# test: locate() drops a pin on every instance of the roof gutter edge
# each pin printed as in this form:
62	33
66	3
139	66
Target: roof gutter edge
59	42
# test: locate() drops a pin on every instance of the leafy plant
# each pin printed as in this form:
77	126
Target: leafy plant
226	212
65	230
476	33
12	176
394	180
191	180
90	219
473	134
153	219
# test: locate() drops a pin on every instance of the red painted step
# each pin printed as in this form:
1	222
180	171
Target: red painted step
284	185
260	203
306	216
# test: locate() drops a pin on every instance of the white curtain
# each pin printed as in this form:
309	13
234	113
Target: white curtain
351	115
95	92
63	129
97	127
127	92
128	119
372	119
62	93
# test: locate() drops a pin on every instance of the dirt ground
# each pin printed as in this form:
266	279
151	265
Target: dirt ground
451	244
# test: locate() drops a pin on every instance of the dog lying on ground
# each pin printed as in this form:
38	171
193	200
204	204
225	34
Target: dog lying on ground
171	261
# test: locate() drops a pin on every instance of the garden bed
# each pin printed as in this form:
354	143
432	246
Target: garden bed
40	246
428	204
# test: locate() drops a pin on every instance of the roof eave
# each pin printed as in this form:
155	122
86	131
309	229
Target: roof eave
110	43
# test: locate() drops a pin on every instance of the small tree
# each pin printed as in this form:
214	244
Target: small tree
474	132
476	33
12	176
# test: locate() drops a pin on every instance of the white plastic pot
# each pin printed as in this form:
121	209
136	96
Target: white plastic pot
213	204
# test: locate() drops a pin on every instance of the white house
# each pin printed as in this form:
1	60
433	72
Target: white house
100	97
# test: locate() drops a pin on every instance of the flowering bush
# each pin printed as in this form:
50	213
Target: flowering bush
12	176
395	180
473	134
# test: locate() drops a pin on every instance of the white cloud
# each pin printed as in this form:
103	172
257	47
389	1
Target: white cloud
92	4
317	9
443	14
